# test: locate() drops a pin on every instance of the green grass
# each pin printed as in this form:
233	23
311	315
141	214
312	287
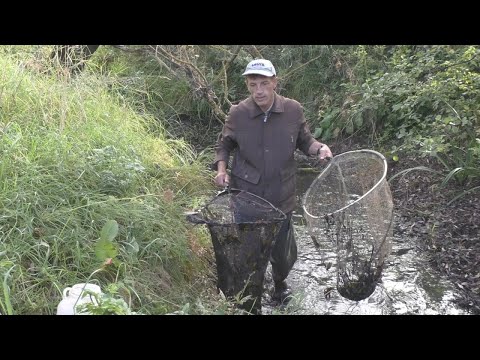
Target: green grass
73	157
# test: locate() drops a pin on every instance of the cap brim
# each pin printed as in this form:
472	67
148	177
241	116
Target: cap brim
258	72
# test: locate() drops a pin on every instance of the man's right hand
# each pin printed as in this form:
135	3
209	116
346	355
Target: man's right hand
222	179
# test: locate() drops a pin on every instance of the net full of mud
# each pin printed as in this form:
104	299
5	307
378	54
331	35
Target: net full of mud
350	205
243	227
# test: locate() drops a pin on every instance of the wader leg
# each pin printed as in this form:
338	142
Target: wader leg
284	252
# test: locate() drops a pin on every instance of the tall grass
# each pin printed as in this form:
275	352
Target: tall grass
73	157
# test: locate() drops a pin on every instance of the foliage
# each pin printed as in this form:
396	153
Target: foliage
426	102
6	305
105	248
106	303
73	155
129	139
405	99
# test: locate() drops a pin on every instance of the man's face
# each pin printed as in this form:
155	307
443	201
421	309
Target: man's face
262	89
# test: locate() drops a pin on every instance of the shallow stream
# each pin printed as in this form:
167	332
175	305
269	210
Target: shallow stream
408	284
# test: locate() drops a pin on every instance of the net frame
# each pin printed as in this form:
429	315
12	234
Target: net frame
202	216
358	269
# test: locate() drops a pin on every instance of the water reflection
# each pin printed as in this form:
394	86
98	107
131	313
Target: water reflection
408	285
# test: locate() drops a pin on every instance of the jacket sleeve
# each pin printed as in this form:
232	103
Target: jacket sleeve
226	141
305	138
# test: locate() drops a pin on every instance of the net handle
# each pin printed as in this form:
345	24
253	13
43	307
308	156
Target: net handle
333	162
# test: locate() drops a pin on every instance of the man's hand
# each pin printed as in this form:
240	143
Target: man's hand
324	154
222	179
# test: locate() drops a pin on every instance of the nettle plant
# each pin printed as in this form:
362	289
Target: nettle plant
110	302
115	172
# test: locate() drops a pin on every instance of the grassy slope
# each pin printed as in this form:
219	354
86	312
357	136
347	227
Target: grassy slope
73	157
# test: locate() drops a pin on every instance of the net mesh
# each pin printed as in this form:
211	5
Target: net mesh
243	227
349	207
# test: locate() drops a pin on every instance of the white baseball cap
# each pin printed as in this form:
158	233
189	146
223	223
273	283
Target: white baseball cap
260	67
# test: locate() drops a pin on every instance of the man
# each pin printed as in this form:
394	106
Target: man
265	130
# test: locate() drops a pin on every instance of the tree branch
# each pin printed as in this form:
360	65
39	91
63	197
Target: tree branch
197	79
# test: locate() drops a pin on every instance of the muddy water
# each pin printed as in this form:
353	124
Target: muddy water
408	285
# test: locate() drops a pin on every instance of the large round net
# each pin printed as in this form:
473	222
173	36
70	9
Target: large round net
243	228
349	207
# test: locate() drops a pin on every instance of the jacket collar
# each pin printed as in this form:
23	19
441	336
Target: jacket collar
254	110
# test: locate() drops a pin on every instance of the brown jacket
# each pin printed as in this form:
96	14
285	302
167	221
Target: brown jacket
263	162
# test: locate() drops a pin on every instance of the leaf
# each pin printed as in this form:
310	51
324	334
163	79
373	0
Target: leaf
451	174
395	158
133	248
105	249
358	120
406	171
222	295
318	132
463	193
109	230
396	107
327	135
6	292
325	123
186	309
349	128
